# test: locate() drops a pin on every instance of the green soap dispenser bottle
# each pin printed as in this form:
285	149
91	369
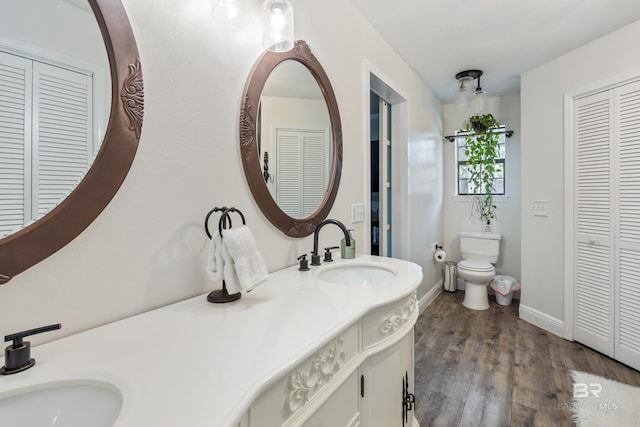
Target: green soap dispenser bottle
348	252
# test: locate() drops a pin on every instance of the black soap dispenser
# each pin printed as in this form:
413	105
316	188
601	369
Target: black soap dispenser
348	252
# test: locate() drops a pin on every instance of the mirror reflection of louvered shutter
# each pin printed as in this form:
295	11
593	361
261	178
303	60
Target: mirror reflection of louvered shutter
46	119
593	298
288	172
300	170
313	172
62	132
15	128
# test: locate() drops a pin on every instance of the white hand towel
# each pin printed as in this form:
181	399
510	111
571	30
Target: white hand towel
214	260
248	262
230	275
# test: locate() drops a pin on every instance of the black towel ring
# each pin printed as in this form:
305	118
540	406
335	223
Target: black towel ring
222	295
206	219
225	216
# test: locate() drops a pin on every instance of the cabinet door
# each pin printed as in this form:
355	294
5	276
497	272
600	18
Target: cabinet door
341	409
407	367
386	376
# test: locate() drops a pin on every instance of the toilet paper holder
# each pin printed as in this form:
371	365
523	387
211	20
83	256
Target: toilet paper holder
439	255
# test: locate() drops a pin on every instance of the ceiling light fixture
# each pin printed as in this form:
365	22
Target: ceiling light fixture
277	25
466	96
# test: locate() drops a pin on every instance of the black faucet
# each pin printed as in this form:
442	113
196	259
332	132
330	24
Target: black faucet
315	258
17	357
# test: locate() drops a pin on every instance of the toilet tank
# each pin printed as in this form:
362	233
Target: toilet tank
480	245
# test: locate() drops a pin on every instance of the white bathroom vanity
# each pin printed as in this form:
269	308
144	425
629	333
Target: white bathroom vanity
332	347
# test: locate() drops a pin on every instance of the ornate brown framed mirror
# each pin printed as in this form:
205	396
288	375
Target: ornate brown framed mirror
291	139
70	216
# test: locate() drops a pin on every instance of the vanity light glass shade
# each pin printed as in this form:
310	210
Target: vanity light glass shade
478	102
464	93
277	25
230	13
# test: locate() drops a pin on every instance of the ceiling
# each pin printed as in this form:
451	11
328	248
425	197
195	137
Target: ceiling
503	38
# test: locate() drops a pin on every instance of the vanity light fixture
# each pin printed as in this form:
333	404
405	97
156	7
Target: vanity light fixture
468	97
230	13
277	25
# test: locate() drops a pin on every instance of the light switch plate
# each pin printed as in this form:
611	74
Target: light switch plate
541	208
357	212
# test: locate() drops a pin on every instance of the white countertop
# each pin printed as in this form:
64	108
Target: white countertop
194	363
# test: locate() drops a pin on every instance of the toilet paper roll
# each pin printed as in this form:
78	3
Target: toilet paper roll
440	255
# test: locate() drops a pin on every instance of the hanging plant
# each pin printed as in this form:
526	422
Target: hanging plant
481	152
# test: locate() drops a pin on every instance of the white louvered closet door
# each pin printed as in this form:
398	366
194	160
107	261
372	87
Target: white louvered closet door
46	137
288	170
15	129
607	222
313	171
627	309
62	138
594	219
301	170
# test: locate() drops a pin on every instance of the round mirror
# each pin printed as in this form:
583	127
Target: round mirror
291	139
55	99
71	104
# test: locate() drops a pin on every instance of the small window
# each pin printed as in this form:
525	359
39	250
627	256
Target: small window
464	168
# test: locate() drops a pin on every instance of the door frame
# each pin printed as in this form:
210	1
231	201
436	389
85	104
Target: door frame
375	81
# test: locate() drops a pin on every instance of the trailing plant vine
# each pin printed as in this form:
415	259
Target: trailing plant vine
482	151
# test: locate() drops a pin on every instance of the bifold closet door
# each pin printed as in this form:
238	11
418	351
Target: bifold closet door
594	222
627	307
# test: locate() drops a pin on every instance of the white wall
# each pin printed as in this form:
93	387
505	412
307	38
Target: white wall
45	24
457	209
542	94
148	247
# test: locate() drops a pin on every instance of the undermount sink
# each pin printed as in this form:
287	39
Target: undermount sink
357	273
62	404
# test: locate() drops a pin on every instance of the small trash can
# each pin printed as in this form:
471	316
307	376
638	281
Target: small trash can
504	287
450	277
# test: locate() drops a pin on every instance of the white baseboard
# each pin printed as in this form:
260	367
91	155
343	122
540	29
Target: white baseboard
431	295
542	320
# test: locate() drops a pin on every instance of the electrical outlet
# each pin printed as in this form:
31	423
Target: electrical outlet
357	212
541	208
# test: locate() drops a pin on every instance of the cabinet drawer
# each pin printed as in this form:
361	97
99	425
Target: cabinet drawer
384	321
300	386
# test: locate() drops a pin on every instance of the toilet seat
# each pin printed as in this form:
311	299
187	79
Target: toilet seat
475	265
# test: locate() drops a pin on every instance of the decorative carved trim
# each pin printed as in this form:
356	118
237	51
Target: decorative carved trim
304	51
132	94
305	382
392	322
247	128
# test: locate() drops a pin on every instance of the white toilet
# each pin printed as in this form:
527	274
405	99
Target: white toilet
480	250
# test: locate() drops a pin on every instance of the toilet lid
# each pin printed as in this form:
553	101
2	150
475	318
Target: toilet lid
474	265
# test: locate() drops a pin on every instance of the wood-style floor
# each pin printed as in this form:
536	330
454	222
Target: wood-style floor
489	368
